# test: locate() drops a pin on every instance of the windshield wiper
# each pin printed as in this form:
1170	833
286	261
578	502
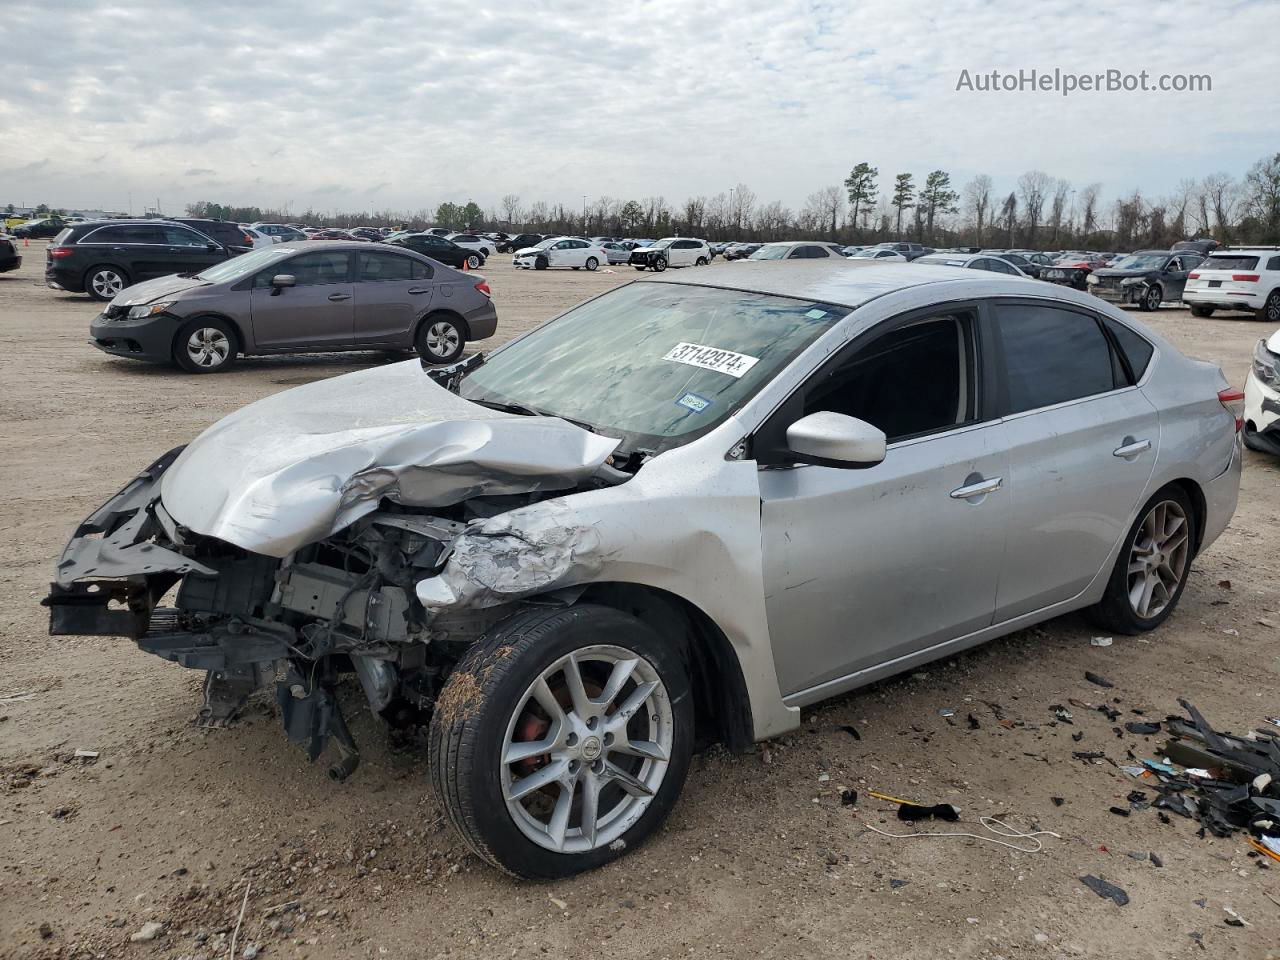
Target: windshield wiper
526	411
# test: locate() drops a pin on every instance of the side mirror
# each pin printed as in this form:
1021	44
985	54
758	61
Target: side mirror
280	281
832	439
213	246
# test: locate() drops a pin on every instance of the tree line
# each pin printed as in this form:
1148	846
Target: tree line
1039	212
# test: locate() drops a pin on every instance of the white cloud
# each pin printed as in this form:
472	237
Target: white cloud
405	104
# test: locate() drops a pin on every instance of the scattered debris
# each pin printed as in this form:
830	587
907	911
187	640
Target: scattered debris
239	920
947	712
916	811
992	826
1225	584
1088	756
1058	801
1142	728
86	754
848	797
45	931
1234	919
851	730
1101	642
1156	860
558	904
973	722
1120	811
1105	889
1062	713
1097	679
896	884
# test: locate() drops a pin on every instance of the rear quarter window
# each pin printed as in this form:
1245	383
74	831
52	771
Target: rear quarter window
1137	350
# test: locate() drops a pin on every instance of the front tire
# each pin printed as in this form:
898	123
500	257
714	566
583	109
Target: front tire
103	283
1153	565
1152	299
702	262
1198	311
562	739
540	263
206	345
440	339
659	264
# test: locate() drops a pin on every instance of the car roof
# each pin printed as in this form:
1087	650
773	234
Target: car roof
845	282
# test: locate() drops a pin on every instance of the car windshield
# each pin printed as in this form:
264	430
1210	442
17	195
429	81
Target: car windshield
662	244
655	364
547	243
1137	261
771	251
244	264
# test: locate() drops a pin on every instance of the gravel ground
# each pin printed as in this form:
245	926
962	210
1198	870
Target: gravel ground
172	825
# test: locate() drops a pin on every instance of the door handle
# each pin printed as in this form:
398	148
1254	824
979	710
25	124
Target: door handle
1131	448
416	290
335	297
978	489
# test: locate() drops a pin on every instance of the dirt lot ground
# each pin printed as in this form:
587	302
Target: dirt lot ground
174	824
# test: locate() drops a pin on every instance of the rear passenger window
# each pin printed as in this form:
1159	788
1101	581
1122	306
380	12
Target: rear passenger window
385	266
1051	356
1272	264
1136	348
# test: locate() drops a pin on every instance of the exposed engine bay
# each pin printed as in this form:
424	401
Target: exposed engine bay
367	597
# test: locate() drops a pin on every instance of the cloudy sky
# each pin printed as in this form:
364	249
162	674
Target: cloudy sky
400	104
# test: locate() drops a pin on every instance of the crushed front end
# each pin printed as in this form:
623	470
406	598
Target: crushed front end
343	604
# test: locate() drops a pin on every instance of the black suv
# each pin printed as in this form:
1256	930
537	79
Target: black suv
229	234
512	244
441	250
103	257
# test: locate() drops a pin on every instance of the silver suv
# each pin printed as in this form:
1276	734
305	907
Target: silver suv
299	297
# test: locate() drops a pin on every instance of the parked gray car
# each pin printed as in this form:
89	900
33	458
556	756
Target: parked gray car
679	512
292	297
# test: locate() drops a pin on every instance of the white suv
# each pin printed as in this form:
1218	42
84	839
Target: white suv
671	252
1242	278
472	241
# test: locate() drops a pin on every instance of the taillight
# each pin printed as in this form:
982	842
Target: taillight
1193	276
57	253
248	240
1233	400
1246	277
484	288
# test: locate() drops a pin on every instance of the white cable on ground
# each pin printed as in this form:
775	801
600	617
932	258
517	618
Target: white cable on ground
986	822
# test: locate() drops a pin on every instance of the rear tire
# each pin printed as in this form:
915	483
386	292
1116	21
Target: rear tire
1270	311
1197	311
473	261
641	269
592	263
702	262
1159	550
103	283
440	339
206	345
491	705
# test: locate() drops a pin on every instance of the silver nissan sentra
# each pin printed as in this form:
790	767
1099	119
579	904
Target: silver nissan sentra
674	515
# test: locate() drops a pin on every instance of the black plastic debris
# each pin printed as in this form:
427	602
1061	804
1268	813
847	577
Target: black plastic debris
1119	811
1156	860
897	884
848	797
1142	728
1088	756
1138	800
916	811
973	722
1105	889
1058	801
1097	679
851	730
1061	713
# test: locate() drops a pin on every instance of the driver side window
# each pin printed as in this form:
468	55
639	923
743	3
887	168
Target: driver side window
914	379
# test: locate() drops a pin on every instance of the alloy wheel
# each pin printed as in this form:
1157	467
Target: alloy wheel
208	347
586	749
107	283
1158	559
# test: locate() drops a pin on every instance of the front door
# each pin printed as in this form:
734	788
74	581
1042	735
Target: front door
865	566
317	312
391	292
189	251
1082	446
1174	278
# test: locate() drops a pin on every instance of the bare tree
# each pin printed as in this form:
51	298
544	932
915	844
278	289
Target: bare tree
977	199
1058	206
1262	185
511	207
695	210
1009	216
1033	187
1222	195
1089	208
742	201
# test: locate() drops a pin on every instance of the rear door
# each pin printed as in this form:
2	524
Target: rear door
141	248
391	292
1082	445
317	312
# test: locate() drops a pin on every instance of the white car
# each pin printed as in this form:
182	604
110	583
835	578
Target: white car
279	232
472	241
879	254
1262	397
573	252
671	252
259	238
1242	278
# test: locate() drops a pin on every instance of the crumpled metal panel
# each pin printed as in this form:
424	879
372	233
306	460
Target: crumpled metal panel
299	466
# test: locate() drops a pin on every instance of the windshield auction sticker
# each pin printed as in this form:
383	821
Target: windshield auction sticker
711	358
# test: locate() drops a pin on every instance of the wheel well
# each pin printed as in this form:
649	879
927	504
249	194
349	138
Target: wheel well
1196	495
451	314
722	709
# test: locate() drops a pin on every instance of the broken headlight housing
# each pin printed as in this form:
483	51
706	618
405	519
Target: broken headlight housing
1266	365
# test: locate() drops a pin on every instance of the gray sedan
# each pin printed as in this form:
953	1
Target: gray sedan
796	479
299	297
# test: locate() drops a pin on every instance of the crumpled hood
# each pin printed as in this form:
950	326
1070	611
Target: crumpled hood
303	464
1113	273
150	290
527	251
648	249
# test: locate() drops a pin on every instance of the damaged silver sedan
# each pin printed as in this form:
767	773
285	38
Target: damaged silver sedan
671	517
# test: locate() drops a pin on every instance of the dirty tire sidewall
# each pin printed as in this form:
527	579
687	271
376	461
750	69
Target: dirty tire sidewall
467	732
592	263
1113	612
659	264
429	331
230	342
1151	299
540	263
